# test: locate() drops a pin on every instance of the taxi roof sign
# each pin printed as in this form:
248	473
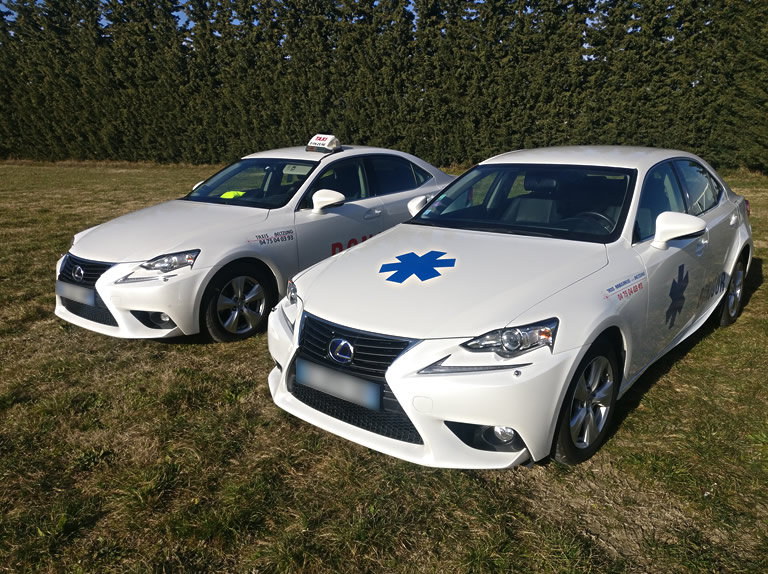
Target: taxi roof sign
324	143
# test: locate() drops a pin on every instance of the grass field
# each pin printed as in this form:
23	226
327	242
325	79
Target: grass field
146	456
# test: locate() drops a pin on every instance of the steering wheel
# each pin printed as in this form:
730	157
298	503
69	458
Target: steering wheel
604	220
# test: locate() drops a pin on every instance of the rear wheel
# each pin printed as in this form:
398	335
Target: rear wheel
733	300
236	303
588	406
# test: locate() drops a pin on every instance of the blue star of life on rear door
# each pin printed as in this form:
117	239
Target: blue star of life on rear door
424	267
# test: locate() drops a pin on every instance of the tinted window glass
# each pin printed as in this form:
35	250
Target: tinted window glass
259	182
570	202
346	177
393	174
422	175
661	192
703	191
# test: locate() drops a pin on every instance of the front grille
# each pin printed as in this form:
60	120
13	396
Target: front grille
98	314
372	357
92	270
373	353
389	424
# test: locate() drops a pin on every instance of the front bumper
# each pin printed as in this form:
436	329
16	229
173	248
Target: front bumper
124	309
526	398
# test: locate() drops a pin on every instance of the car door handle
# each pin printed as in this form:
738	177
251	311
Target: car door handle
701	244
372	214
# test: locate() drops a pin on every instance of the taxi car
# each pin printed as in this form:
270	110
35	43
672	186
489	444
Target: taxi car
500	325
218	259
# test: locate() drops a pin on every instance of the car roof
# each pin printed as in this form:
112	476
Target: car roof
300	153
641	158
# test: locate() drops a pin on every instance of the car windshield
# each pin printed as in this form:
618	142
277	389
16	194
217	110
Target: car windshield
262	182
582	203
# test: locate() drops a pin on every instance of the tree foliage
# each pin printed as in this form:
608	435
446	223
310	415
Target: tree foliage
454	81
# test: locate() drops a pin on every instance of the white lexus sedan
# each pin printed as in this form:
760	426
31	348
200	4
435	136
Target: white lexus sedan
501	324
218	259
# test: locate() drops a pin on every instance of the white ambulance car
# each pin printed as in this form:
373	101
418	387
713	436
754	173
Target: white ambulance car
500	325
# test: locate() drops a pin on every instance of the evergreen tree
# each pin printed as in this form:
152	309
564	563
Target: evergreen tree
147	76
372	72
8	85
739	134
449	80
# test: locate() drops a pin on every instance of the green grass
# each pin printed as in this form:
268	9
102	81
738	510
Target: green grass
170	456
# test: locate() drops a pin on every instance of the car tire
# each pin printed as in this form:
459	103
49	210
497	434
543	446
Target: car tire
236	303
589	406
733	300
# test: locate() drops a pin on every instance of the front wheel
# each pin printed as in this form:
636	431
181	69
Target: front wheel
236	303
588	406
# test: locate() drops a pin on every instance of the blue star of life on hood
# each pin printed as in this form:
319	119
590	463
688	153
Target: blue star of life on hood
424	267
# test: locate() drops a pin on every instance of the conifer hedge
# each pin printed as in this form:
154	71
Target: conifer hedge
454	81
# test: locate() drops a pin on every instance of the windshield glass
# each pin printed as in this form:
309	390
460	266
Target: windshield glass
262	182
583	203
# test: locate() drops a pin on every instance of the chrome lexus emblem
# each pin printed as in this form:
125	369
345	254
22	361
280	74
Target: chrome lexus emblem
78	273
341	351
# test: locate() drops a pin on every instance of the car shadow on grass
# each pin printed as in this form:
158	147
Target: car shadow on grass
631	400
198	339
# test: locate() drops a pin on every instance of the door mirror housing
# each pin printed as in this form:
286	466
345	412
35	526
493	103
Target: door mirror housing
417	204
323	198
672	225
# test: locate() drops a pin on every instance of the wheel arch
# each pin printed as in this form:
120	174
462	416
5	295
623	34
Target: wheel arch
611	336
261	265
746	255
614	337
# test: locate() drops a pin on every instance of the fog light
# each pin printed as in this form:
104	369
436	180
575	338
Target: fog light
504	434
162	320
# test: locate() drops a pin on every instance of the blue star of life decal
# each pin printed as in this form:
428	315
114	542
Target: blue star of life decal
424	267
677	295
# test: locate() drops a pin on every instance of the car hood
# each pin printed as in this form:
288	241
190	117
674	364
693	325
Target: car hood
171	226
495	278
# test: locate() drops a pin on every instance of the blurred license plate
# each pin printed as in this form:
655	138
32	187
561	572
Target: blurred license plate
76	293
340	385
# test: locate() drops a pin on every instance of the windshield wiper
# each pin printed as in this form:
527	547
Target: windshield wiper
507	230
526	232
430	223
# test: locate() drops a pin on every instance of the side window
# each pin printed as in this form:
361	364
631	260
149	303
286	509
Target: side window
703	190
346	177
422	175
393	174
661	192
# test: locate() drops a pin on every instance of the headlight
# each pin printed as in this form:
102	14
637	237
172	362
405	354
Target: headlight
291	293
289	307
172	261
514	341
160	267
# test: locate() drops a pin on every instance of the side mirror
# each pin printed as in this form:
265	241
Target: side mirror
672	225
323	198
198	184
417	204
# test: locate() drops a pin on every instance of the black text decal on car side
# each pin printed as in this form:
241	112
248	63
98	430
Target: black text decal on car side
714	287
677	294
